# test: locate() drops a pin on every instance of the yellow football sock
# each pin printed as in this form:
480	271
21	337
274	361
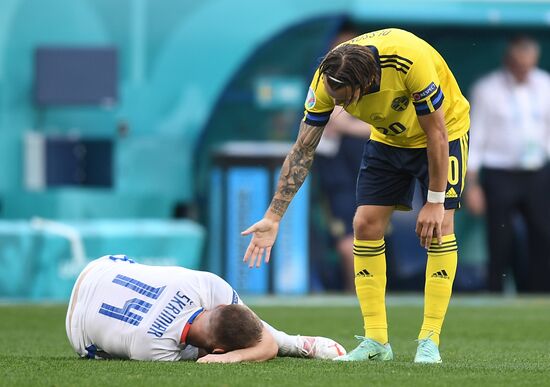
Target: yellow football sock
440	274
370	285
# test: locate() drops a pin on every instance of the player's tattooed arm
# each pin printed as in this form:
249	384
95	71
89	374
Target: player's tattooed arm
296	167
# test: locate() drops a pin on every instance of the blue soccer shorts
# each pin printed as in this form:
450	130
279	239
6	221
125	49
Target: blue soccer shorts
388	174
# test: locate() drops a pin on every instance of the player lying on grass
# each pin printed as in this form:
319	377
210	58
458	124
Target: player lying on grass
122	309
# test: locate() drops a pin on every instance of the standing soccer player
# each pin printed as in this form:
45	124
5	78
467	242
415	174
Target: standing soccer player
402	86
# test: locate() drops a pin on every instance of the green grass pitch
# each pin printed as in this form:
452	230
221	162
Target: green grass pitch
500	343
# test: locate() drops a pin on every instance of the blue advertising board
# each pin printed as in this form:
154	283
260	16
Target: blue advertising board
291	253
247	199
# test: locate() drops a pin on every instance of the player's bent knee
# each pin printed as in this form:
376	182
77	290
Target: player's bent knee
368	228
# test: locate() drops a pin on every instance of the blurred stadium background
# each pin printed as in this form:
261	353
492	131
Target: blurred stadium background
156	128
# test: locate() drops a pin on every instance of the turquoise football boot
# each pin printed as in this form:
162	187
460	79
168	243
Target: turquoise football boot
368	349
427	352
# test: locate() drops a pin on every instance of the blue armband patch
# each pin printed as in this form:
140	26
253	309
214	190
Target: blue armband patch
424	93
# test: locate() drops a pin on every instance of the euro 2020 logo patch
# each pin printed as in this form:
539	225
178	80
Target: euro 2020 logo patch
310	99
400	103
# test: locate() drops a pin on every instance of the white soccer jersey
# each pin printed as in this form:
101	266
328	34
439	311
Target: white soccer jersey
123	309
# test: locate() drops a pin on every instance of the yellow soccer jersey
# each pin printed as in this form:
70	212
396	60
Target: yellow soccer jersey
415	80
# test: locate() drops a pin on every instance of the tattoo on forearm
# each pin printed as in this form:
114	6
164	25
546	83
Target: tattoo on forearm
279	206
296	167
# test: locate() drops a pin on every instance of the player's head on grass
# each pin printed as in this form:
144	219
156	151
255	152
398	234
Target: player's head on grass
234	327
348	72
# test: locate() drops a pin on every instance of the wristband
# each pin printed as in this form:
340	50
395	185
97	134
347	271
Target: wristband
436	197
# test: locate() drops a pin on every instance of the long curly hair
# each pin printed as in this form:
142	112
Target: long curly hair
350	65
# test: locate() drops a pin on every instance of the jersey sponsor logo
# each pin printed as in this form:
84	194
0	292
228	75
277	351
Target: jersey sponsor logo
167	316
424	93
400	103
310	99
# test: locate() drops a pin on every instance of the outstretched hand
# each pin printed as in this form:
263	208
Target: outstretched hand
264	234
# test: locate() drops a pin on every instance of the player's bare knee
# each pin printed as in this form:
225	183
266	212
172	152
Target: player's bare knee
368	228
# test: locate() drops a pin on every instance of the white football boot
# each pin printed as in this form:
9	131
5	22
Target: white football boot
319	347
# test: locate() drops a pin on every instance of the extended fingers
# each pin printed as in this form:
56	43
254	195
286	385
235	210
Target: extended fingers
438	234
260	255
248	252
428	232
254	256
428	236
267	254
257	255
425	233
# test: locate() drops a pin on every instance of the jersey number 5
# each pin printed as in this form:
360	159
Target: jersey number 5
126	312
